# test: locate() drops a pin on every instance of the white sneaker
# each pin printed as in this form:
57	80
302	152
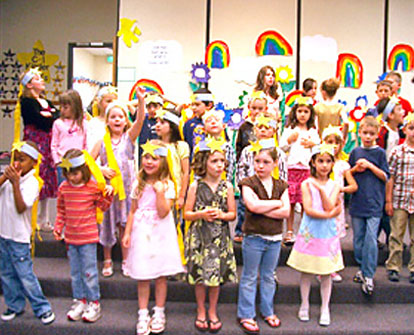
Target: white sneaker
92	313
77	310
368	286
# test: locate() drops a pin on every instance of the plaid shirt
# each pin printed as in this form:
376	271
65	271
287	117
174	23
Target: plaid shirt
401	164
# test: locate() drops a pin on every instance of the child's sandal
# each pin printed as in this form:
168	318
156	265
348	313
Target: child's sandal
249	326
289	238
143	324
157	323
108	268
272	321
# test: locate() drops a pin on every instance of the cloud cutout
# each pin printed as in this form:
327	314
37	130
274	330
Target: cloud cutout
319	48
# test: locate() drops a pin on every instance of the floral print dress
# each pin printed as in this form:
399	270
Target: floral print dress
209	249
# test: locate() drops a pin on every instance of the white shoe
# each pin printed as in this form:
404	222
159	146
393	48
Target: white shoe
368	286
77	310
303	314
336	277
92	313
158	321
325	319
143	324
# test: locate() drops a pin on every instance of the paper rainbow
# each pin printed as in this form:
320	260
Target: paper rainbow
292	96
217	55
349	70
401	53
149	85
272	43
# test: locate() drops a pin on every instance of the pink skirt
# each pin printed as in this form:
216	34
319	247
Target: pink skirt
295	179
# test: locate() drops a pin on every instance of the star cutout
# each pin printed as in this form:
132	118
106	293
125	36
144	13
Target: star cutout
215	145
393	99
56	92
14	92
3	79
57	79
128	32
326	148
9	55
331	130
60	67
18	145
15	79
149	148
255	146
65	164
3	66
38	58
7	112
409	118
263	121
16	66
160	114
3	92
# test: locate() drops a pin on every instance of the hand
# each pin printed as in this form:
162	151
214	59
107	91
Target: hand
126	241
140	93
389	209
108	173
363	163
358	168
307	143
46	114
335	211
180	202
57	235
292	138
109	190
13	173
210	214
159	187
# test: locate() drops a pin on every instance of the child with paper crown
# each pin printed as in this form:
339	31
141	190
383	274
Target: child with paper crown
328	111
19	190
267	204
96	126
317	249
116	152
399	202
202	101
38	116
264	128
79	197
210	206
396	80
150	235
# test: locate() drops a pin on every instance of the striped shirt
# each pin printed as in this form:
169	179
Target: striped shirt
401	165
76	212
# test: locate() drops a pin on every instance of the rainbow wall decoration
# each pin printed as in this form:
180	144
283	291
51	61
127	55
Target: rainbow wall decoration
349	70
217	55
149	85
272	43
401	53
292	96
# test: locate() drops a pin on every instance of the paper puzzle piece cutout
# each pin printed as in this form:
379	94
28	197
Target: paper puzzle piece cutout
128	32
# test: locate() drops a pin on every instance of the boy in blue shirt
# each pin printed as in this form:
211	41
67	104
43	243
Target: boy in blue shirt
370	169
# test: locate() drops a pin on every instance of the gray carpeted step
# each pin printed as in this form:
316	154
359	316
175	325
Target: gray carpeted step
54	275
119	317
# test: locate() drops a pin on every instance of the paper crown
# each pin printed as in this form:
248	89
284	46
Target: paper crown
303	101
262	120
69	163
390	107
322	149
153	99
202	97
29	75
167	115
257	95
211	144
26	148
331	130
257	146
116	103
107	90
409	118
154	149
218	114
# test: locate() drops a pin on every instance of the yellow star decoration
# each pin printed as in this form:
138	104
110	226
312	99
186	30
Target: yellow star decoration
326	148
216	145
332	130
394	100
128	32
65	164
18	146
38	58
303	101
262	121
160	114
284	74
257	95
409	118
256	146
149	148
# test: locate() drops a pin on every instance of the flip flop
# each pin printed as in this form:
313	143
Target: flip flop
203	328
272	321
249	326
215	323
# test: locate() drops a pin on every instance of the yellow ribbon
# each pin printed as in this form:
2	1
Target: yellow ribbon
95	109
17	114
116	182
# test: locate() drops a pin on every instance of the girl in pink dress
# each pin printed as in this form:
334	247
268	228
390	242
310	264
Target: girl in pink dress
151	237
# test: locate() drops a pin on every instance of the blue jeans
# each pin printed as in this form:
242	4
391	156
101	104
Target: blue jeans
18	279
365	243
241	208
60	177
259	255
84	271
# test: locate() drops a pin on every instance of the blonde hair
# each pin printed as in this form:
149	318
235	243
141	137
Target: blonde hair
27	92
128	122
369	121
330	86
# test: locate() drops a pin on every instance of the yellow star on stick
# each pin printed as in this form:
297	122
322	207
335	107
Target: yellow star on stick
394	100
215	145
149	148
65	164
17	145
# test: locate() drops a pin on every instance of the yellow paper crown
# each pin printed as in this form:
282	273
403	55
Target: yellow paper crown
323	148
409	118
218	114
154	149
258	95
303	101
331	130
262	120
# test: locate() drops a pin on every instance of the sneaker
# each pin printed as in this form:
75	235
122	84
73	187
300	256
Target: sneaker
77	310
358	278
393	276
47	318
368	286
92	313
411	278
336	277
9	315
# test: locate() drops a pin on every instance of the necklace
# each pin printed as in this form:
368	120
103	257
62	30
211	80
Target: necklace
115	143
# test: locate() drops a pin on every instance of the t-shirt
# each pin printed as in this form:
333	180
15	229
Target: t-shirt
15	226
368	200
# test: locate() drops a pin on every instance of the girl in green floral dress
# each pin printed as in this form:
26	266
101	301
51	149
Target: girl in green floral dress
209	251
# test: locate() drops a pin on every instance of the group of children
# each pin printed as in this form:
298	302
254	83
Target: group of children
172	216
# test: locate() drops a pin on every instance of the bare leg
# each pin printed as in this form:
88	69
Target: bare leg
326	289
107	257
143	293
213	296
160	291
200	293
290	220
123	249
305	286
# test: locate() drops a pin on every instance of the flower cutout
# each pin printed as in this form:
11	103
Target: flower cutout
236	119
200	73
284	74
358	113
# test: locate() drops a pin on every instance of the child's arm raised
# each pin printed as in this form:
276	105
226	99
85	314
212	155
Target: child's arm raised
282	212
14	176
309	210
134	131
163	205
255	205
352	186
126	240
